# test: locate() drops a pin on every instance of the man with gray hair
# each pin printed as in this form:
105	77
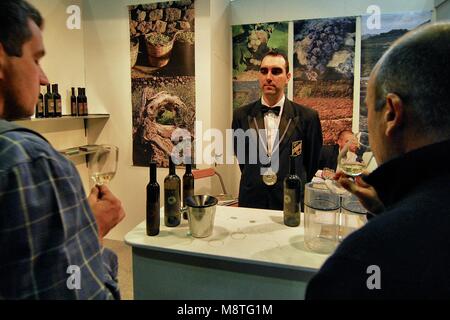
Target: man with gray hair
403	252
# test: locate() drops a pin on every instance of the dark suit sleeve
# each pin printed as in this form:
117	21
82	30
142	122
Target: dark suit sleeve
236	124
313	146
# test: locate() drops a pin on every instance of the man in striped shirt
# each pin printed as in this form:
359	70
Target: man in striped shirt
50	232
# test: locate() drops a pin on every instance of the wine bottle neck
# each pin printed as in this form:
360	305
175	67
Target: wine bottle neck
292	166
153	172
188	168
171	166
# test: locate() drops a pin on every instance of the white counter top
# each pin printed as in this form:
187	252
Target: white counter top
240	234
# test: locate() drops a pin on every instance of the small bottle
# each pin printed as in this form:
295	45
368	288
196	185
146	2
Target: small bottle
40	106
292	190
80	103
172	196
49	104
152	205
57	101
85	107
188	187
73	104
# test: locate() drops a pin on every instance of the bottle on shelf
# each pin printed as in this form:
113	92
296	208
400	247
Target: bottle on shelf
49	103
80	102
152	204
292	190
40	106
85	108
73	104
188	187
172	196
57	100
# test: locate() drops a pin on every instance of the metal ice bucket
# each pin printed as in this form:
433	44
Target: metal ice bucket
201	213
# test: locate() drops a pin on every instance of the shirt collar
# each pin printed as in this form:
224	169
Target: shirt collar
280	103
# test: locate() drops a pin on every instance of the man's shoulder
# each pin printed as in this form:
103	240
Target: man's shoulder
244	111
23	146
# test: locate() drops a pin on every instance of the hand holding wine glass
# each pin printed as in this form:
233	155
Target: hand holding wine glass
103	164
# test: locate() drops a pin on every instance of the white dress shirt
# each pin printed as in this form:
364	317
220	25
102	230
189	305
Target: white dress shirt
271	123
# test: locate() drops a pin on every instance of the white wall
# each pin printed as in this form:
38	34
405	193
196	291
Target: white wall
443	10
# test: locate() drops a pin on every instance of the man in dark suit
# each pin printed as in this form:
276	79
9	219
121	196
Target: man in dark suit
329	153
267	132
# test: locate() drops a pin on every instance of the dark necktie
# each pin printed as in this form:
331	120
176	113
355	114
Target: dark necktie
276	110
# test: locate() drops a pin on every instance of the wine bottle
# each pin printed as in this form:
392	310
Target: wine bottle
292	190
152	205
85	101
49	103
73	104
188	187
57	101
40	106
172	195
80	103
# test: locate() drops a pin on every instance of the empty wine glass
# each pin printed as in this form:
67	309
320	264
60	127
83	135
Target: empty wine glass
356	155
103	164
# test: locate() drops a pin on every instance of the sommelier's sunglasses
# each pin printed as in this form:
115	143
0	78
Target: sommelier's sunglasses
275	71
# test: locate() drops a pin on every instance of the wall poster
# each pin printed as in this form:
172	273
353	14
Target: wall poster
250	43
324	51
162	51
376	40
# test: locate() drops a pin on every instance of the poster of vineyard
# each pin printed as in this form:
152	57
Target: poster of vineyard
162	43
376	39
250	43
324	51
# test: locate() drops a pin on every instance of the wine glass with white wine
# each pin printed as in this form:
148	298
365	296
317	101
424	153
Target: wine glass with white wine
356	155
103	164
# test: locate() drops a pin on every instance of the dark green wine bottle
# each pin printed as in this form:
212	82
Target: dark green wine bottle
188	186
49	103
292	191
57	101
40	106
152	205
172	197
73	104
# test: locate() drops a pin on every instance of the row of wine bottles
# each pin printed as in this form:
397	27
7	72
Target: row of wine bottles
50	105
172	197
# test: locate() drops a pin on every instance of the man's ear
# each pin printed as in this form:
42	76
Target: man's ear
288	76
393	114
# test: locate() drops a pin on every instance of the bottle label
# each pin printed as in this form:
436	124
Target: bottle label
73	109
85	108
291	208
51	106
58	106
172	207
40	107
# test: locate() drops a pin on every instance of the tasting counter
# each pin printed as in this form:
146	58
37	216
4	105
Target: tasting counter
250	255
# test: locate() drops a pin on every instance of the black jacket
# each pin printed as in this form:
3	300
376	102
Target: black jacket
409	241
328	156
300	125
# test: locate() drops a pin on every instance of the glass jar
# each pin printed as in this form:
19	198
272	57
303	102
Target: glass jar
321	218
352	217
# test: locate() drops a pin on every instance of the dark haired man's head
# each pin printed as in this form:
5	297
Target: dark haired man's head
275	53
273	76
408	95
14	29
21	49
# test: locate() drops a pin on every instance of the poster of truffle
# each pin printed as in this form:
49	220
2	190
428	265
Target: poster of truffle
324	51
162	60
376	39
250	43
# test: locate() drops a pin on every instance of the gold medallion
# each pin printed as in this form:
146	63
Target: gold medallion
269	177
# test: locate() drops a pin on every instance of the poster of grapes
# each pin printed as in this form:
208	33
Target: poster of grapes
162	61
250	43
376	39
324	51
